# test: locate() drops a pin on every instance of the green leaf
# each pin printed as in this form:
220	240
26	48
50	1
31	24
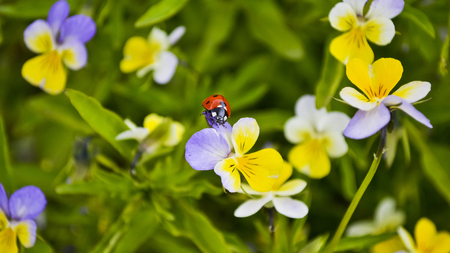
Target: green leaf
444	53
419	19
160	12
434	161
348	178
40	247
330	78
58	109
5	167
363	242
315	245
266	23
103	121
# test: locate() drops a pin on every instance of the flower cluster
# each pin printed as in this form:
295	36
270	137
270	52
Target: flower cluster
318	135
211	148
59	39
17	217
376	26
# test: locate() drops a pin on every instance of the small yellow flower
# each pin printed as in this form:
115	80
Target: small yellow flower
427	238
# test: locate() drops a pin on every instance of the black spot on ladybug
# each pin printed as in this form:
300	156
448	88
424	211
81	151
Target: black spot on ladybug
215	96
208	102
225	104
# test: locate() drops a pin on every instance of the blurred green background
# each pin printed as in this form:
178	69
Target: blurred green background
262	55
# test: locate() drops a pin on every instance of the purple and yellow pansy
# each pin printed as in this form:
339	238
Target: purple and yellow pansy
58	40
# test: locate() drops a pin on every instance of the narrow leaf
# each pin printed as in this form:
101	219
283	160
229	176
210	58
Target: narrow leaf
363	242
5	167
103	121
418	18
160	12
330	78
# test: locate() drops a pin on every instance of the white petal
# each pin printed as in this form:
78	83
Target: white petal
130	124
165	69
406	239
158	36
333	122
298	129
360	228
386	215
138	134
174	135
291	187
176	34
342	17
249	190
385	8
252	206
305	108
335	144
357	5
380	31
356	99
290	207
38	37
413	91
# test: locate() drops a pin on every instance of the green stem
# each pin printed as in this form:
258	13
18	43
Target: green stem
359	193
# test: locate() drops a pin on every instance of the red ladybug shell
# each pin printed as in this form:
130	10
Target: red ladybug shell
213	101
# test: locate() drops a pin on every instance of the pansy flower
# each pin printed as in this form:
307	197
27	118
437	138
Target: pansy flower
376	26
170	137
317	135
17	217
59	39
277	197
427	238
211	148
153	53
376	82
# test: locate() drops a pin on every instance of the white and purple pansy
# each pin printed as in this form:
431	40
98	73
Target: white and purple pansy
224	149
17	217
374	103
59	39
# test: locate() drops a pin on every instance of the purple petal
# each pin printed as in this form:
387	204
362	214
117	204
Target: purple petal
79	27
57	14
367	123
205	149
405	106
4	200
385	8
27	203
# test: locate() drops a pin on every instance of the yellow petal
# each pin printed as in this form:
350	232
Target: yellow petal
291	187
356	99
441	243
152	121
424	232
174	134
285	174
359	73
392	245
8	241
244	135
229	173
3	220
350	45
46	71
136	54
26	231
261	168
311	159
386	74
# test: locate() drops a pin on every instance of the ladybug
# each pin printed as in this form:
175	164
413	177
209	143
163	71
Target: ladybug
218	108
